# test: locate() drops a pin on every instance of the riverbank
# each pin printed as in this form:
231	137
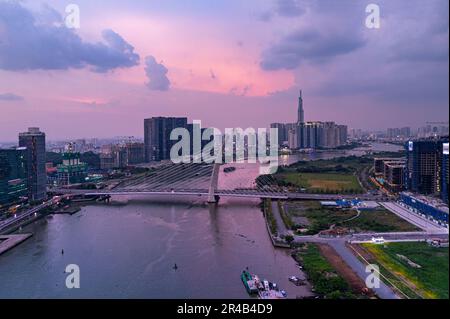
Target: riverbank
8	242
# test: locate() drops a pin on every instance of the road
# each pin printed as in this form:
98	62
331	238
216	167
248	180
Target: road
339	245
281	227
415	219
23	216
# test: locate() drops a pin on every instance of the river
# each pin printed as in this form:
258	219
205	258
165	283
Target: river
128	249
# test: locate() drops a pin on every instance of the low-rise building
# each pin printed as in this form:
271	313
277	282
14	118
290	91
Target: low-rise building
433	208
72	170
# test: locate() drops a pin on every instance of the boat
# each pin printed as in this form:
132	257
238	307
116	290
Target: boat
250	282
262	288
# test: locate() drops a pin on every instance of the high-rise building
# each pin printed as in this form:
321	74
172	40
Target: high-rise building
135	153
301	112
424	166
34	141
293	138
157	136
332	135
445	172
283	132
309	135
13	175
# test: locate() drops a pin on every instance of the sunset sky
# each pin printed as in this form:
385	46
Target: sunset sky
229	63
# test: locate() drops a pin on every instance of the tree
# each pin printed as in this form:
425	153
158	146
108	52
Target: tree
289	239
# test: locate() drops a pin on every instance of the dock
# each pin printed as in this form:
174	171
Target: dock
8	242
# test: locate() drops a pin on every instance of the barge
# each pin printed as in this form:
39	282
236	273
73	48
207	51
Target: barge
263	289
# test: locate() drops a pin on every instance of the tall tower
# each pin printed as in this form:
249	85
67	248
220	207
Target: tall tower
34	141
301	112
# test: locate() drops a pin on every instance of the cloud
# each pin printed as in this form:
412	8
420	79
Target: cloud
308	45
32	41
265	16
429	42
212	74
156	74
10	97
289	8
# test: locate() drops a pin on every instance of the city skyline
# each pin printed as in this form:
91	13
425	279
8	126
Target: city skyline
223	155
131	62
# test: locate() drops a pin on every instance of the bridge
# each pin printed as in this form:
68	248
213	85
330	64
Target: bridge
212	181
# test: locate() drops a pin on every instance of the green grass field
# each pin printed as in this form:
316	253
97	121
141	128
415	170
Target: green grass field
428	277
323	182
326	281
321	218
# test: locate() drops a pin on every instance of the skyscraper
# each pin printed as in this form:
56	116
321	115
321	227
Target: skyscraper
34	141
301	112
157	136
13	175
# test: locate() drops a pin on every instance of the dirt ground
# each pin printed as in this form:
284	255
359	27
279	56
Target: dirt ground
367	256
357	284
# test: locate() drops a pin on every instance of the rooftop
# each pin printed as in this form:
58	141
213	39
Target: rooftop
429	200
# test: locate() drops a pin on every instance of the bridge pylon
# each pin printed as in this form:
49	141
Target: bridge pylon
212	197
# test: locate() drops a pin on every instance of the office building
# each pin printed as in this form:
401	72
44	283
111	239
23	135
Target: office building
157	136
34	142
13	176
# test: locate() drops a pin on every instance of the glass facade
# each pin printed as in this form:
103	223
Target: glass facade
34	141
13	176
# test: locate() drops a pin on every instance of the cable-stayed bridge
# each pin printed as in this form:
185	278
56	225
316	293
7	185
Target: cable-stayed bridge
211	181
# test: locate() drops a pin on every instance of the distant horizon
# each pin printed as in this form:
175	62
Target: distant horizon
67	139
